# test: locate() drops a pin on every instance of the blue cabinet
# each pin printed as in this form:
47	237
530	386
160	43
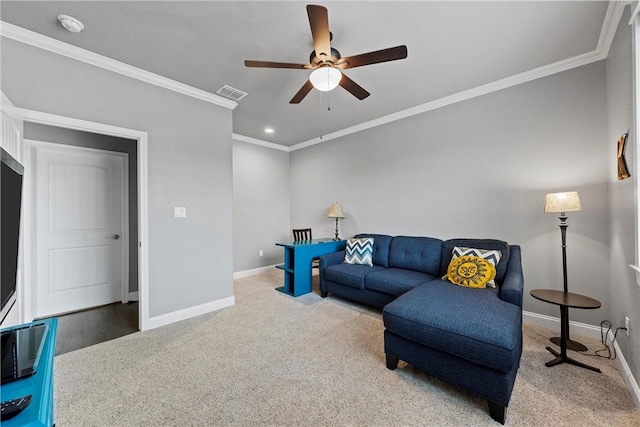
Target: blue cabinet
297	262
39	386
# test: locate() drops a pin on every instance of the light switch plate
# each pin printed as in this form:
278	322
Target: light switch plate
179	212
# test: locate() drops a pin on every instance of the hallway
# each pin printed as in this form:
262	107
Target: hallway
86	328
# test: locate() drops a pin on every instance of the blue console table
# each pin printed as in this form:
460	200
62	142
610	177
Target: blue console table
39	386
297	262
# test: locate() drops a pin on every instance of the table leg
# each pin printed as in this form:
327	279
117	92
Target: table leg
562	356
571	345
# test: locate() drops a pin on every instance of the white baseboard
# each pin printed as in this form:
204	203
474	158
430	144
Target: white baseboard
589	331
553	323
187	313
133	296
253	272
629	380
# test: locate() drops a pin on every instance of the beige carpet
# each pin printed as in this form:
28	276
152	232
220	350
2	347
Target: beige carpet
276	360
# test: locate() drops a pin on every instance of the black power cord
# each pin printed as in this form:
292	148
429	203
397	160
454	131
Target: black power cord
603	339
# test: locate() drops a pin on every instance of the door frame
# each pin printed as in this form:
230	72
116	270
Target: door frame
29	209
141	137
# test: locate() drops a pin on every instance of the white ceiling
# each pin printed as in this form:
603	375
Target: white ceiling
452	47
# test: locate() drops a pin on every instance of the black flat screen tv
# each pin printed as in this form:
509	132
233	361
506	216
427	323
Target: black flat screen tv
21	351
11	175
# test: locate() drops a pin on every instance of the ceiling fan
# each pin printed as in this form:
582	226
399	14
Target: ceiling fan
327	62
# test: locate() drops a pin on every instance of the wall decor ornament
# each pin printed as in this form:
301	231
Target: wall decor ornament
623	172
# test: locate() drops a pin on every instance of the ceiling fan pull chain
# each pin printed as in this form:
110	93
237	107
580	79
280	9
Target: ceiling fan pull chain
321	122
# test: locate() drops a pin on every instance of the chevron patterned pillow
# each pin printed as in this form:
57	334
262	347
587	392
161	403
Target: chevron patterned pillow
492	256
359	251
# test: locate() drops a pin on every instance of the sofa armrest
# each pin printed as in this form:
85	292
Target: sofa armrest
513	284
331	259
326	261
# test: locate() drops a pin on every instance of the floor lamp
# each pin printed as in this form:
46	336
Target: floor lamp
563	203
335	211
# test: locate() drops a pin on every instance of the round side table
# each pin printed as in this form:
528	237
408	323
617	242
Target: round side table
565	300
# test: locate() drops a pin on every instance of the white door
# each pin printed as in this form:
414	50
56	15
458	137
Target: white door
80	219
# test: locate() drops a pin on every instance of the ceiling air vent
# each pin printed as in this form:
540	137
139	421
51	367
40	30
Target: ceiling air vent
231	93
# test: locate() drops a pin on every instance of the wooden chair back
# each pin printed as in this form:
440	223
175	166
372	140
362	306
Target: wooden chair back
301	234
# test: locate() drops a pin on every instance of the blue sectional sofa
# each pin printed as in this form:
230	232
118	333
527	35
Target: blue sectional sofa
469	337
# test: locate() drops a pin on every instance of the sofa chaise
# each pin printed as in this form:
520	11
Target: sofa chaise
469	337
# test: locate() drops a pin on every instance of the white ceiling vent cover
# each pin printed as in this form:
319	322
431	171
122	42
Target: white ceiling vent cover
231	93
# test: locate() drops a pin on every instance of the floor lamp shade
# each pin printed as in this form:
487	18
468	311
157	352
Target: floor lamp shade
562	202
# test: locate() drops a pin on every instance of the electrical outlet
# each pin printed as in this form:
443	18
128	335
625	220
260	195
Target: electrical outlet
626	324
261	253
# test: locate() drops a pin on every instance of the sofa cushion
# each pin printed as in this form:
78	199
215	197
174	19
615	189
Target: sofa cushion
395	281
359	251
416	253
474	324
349	274
471	271
492	256
381	244
487	244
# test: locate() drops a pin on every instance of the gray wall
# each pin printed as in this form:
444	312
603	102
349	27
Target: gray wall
481	168
58	135
189	158
624	291
260	205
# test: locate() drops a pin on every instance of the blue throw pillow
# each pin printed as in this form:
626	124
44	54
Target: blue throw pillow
359	251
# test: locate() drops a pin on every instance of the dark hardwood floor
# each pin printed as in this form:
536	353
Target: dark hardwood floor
85	328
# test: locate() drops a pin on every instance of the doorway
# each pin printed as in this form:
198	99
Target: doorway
139	245
79	202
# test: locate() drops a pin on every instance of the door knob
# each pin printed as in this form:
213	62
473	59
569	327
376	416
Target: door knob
115	237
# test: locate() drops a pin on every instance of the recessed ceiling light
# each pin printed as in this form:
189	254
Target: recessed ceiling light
71	23
269	130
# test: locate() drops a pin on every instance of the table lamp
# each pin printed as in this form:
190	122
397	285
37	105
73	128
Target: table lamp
335	211
564	202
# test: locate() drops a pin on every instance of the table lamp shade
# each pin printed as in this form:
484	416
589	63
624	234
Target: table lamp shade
335	211
562	202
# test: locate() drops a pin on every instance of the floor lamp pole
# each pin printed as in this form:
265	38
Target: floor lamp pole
563	231
571	345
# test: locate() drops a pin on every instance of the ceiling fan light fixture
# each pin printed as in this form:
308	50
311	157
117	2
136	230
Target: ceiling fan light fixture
325	78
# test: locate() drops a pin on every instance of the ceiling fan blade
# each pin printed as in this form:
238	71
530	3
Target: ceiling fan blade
319	22
384	55
270	64
354	88
304	90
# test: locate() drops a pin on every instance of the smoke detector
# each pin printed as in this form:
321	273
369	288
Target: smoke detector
70	23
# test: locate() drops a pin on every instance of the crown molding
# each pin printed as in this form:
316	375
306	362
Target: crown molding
610	26
40	41
607	33
635	12
256	141
465	95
